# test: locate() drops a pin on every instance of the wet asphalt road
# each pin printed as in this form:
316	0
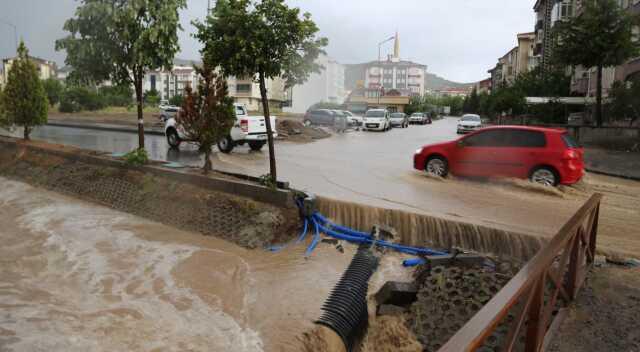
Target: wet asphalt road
373	168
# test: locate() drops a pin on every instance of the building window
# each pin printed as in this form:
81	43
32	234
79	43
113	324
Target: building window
153	82
243	88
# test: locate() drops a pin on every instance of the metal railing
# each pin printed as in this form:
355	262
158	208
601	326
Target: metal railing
550	279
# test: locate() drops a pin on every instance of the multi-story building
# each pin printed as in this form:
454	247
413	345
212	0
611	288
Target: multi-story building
484	86
169	83
247	91
584	80
404	76
388	83
527	61
46	69
325	86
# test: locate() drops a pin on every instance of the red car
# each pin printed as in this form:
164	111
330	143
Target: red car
544	155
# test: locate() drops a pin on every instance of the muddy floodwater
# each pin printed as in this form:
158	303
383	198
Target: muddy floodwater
81	277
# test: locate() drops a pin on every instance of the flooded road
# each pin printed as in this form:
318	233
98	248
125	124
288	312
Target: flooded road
81	277
376	169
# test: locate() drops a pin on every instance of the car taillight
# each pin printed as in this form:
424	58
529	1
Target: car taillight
244	125
571	154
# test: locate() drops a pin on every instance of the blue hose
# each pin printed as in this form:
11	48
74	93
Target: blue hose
301	238
316	239
324	221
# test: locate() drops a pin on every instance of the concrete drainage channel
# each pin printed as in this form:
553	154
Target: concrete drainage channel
449	288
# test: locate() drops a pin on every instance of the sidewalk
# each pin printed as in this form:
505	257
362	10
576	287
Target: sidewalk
613	163
114	127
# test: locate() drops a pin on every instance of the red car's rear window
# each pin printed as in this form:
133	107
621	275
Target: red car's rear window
569	141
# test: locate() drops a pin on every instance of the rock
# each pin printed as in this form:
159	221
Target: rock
329	240
397	293
385	233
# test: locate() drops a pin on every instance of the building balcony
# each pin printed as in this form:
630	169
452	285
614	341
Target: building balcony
580	85
539	25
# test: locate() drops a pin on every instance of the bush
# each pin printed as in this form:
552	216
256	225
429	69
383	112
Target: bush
137	157
151	98
76	99
176	100
117	95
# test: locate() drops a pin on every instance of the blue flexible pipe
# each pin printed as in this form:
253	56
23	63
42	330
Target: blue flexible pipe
324	221
316	238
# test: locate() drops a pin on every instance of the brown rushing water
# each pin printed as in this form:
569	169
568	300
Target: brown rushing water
81	277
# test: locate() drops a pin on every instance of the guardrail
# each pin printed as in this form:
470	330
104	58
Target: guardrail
526	305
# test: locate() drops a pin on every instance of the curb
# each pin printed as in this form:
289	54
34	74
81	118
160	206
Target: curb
612	174
104	128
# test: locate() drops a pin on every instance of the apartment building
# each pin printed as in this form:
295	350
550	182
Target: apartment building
404	76
484	86
170	83
527	61
325	86
46	69
247	91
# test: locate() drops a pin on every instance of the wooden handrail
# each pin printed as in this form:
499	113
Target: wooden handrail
481	325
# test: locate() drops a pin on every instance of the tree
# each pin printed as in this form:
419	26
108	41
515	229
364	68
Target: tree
24	99
625	100
600	36
472	102
207	115
120	40
54	90
176	100
263	39
152	97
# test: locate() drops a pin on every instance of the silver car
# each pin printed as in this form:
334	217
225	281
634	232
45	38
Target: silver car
399	119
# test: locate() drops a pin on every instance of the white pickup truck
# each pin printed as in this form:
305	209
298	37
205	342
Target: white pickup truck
247	129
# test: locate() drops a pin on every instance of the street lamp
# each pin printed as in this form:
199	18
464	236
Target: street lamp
15	32
380	64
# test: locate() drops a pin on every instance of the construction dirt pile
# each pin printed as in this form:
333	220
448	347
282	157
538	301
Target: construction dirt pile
294	131
239	220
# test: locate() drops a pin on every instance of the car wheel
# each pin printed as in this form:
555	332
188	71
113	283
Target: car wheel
307	123
173	139
545	176
226	145
256	146
437	166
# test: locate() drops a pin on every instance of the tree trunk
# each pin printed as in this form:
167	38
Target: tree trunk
207	161
139	99
27	132
599	97
267	119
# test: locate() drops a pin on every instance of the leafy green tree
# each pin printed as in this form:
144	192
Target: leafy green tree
120	40
625	100
600	36
472	102
24	99
176	100
78	98
262	39
208	114
54	90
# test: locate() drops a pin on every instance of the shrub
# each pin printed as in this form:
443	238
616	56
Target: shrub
117	95
54	90
137	157
152	98
77	98
176	100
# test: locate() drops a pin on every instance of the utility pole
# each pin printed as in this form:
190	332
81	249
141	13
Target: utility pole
15	32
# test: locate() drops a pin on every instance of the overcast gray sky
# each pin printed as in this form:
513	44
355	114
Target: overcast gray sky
457	39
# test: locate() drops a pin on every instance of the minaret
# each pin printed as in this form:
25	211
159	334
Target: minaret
396	47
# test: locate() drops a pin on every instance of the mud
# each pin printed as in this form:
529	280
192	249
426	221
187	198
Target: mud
605	314
390	334
292	130
242	221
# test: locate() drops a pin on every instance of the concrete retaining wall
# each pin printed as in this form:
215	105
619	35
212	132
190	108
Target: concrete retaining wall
279	198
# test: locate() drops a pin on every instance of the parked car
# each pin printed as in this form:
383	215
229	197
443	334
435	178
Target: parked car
340	120
168	112
544	155
251	130
322	117
377	120
469	123
419	118
399	119
354	120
